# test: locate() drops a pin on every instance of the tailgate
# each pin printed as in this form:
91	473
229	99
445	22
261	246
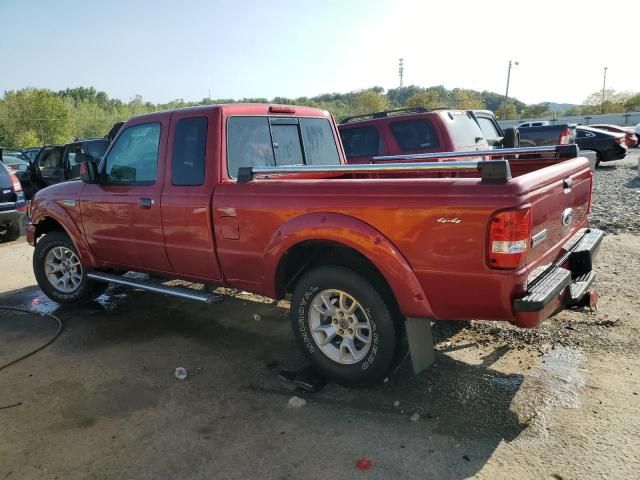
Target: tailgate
559	206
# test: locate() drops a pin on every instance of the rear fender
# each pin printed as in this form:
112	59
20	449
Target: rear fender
356	234
53	210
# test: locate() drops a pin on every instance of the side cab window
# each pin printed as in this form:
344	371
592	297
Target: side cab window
133	159
275	141
189	151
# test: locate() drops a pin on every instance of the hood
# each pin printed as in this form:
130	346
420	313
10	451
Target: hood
58	193
70	190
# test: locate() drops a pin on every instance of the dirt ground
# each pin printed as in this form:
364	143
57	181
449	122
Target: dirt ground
558	402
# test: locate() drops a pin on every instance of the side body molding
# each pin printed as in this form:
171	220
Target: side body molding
356	234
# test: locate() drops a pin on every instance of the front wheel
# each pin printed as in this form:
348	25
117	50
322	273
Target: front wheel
60	274
344	326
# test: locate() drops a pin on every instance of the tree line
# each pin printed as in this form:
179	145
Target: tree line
32	116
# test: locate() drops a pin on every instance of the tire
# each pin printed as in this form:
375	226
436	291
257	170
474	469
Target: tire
314	322
57	248
511	138
598	159
11	233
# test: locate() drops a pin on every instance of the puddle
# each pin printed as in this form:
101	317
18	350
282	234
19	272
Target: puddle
110	301
43	304
553	382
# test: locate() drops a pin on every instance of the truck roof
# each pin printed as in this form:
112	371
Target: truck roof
249	109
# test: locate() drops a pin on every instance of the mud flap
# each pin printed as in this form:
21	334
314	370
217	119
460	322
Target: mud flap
420	341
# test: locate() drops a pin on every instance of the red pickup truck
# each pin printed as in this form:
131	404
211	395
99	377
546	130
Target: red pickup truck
260	198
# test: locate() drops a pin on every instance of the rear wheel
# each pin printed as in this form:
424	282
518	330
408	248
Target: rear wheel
60	274
598	159
9	232
344	326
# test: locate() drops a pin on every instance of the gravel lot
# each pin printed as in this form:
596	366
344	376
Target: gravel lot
616	196
557	402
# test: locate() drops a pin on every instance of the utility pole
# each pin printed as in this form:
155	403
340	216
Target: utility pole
604	84
401	70
506	95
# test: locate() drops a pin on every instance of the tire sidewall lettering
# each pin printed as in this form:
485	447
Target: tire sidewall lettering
309	343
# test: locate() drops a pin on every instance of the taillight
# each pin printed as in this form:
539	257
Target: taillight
17	186
565	137
509	238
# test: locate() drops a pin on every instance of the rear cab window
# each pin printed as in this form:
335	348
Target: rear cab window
465	132
275	141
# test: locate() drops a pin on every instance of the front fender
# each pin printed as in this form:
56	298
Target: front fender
360	236
54	210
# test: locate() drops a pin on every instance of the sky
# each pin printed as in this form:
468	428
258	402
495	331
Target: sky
190	49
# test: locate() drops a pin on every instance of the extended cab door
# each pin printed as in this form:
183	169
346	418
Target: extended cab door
50	165
121	215
190	180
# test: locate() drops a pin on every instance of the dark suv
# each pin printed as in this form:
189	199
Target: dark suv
12	205
59	163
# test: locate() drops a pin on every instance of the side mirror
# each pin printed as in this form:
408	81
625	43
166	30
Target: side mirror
88	172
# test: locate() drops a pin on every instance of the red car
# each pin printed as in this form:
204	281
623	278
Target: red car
630	139
260	198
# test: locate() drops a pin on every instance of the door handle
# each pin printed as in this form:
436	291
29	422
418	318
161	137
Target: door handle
145	203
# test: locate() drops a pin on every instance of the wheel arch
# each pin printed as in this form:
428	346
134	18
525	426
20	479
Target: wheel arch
330	238
57	219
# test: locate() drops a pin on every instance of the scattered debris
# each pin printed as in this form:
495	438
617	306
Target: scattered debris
257	317
307	379
181	373
297	402
466	457
396	404
11	406
364	464
415	417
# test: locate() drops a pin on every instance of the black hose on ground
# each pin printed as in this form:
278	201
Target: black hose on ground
56	335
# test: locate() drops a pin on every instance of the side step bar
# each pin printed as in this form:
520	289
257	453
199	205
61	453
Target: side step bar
181	292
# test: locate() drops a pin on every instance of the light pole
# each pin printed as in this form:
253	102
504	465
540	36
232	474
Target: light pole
401	70
506	95
604	84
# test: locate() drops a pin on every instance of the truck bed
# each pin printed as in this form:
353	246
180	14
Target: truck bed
439	224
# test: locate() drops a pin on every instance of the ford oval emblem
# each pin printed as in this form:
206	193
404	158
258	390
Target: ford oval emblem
567	216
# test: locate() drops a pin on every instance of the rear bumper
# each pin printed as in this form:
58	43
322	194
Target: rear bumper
565	283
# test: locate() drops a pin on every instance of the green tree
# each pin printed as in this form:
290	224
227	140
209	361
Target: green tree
632	104
573	111
427	99
27	138
467	100
536	111
35	110
512	113
368	102
614	102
